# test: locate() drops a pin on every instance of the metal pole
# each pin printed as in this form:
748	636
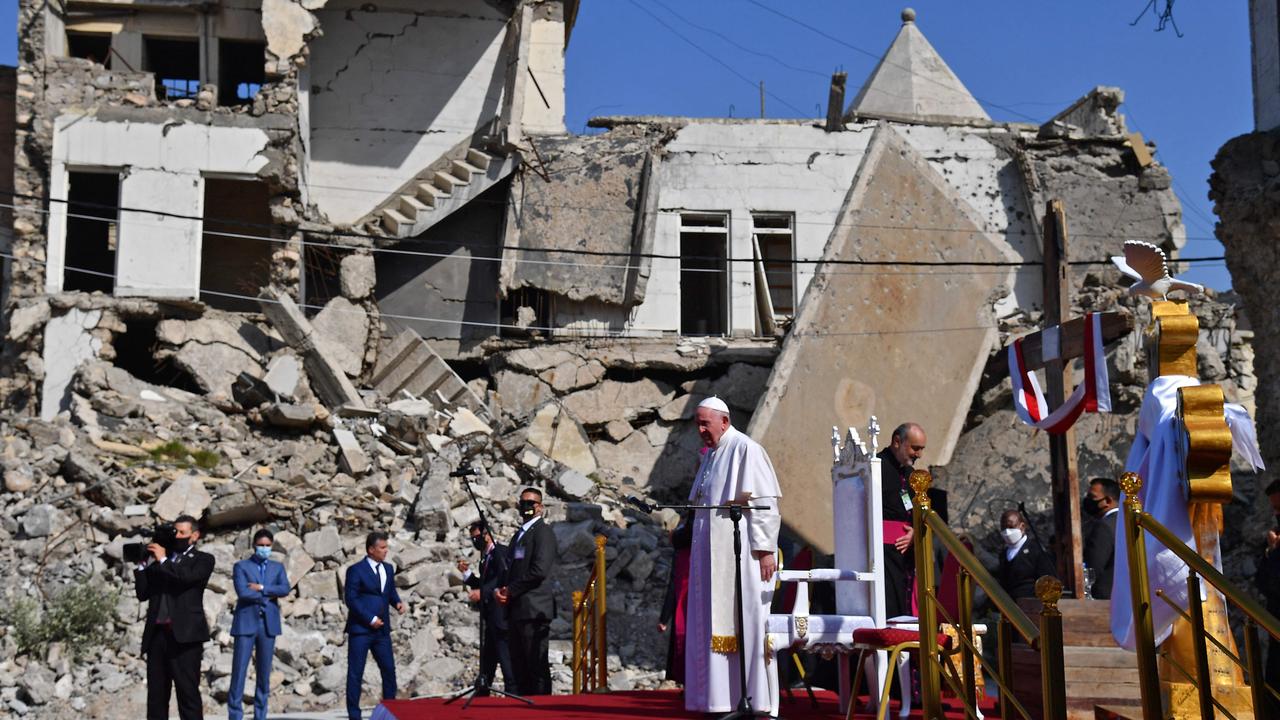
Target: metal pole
1204	683
761	98
1004	650
1140	597
965	605
1053	686
930	682
601	637
577	642
1257	678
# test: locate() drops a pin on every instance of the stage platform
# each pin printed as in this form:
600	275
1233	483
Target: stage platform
635	705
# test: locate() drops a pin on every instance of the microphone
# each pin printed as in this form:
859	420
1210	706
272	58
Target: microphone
642	505
463	472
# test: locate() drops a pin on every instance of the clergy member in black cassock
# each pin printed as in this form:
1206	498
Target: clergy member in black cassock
896	463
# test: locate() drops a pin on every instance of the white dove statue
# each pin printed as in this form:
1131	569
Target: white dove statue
1145	263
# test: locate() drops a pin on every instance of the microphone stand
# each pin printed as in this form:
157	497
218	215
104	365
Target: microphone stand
743	710
482	683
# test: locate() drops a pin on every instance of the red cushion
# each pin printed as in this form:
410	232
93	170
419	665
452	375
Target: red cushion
888	637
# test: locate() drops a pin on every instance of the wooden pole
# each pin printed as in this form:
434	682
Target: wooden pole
1064	479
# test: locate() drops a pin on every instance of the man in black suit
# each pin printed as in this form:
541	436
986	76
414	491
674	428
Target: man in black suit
896	463
494	652
1103	504
530	602
1267	581
1023	561
172	582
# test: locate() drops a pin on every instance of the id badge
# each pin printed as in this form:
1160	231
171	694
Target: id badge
906	501
519	553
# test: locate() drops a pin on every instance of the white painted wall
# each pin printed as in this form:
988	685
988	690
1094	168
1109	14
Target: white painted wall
391	92
546	63
1264	30
744	168
162	168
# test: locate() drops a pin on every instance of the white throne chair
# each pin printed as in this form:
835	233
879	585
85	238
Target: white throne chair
858	573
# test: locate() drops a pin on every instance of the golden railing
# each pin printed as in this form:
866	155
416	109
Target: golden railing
1136	524
590	636
936	664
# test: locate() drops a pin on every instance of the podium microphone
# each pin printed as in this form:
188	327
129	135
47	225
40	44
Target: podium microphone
642	505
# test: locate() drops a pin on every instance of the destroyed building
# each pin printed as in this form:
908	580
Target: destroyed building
350	247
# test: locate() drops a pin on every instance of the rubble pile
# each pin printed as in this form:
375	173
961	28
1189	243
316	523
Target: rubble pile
128	454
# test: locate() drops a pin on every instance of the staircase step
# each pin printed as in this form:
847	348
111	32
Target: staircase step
479	158
411	207
464	170
429	194
446	182
394	222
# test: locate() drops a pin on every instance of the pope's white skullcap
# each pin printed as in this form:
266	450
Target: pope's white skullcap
714	403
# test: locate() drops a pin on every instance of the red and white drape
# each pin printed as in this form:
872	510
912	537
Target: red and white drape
1093	395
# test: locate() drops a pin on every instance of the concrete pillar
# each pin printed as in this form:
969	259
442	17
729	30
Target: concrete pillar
127	47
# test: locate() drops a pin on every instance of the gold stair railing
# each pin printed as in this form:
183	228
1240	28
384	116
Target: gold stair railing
1136	524
937	665
590	635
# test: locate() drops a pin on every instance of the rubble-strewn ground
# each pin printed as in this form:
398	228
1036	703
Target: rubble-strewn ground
237	434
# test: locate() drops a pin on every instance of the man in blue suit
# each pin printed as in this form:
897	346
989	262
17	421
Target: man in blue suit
260	583
370	593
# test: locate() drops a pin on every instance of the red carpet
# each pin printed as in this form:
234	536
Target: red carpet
637	705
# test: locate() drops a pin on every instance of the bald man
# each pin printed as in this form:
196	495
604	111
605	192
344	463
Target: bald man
896	463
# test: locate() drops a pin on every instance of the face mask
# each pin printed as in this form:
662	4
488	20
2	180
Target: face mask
479	543
1090	505
180	545
262	551
1011	536
528	508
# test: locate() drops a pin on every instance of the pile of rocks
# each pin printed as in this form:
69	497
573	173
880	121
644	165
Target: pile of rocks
129	454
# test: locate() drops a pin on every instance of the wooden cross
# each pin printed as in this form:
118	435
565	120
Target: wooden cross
1064	478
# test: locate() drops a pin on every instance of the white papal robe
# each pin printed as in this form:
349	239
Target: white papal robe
736	470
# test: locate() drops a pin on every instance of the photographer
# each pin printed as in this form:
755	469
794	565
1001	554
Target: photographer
172	581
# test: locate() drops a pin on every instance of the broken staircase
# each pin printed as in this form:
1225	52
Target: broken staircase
443	188
409	365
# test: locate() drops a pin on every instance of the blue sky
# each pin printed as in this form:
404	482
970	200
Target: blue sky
1025	59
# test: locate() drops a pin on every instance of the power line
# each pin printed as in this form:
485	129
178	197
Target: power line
708	53
592	332
652	256
879	58
736	44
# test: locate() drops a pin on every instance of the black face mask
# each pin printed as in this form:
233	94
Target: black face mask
180	545
479	543
528	508
1091	505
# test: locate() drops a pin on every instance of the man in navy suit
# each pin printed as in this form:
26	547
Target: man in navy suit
370	593
260	583
494	651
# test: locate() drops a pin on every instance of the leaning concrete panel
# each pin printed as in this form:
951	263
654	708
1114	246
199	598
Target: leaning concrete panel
592	197
899	342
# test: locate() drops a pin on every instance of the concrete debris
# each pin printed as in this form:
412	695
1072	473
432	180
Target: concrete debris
409	365
283	375
290	415
354	460
326	375
614	400
557	434
344	328
185	496
1095	115
466	423
357	276
573	484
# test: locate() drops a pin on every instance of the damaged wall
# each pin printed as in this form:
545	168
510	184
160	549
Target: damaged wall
162	165
368	136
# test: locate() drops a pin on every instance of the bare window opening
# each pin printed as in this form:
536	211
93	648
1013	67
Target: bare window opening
526	311
95	47
774	234
321	275
240	71
135	350
176	64
704	281
235	256
93	222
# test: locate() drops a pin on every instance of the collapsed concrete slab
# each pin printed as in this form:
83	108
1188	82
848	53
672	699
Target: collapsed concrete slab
326	375
903	344
68	341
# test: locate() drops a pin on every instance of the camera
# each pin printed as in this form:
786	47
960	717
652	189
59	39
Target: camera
162	535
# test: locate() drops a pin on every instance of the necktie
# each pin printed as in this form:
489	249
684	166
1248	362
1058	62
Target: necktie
382	580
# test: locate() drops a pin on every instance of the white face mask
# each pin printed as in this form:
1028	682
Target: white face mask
1012	536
